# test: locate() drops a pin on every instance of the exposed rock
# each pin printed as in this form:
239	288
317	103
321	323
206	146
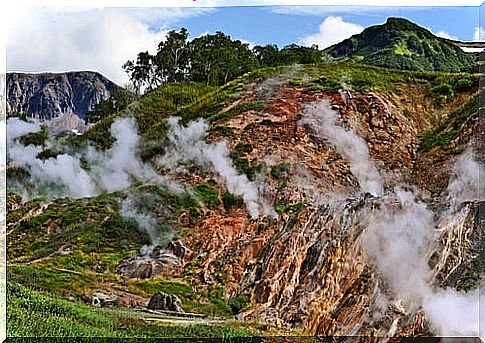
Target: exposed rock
153	261
100	299
66	123
165	302
48	95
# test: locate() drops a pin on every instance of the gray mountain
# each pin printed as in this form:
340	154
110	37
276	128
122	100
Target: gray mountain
49	95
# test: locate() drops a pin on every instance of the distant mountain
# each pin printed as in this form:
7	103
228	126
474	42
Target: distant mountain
401	44
50	95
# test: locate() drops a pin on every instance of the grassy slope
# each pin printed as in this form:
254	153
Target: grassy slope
36	314
401	44
82	226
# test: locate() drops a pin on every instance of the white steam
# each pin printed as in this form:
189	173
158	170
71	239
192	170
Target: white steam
110	171
187	145
397	240
144	220
455	314
400	234
120	166
64	169
324	120
465	182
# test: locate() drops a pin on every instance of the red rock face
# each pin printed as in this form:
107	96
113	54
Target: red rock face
308	269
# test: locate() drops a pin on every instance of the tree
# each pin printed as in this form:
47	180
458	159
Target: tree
211	59
217	59
142	73
268	55
295	53
172	58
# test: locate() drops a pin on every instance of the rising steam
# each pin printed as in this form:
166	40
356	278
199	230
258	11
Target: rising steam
186	145
324	120
400	234
465	182
109	171
118	167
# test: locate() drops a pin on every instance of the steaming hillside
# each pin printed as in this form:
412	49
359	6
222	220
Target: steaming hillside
338	199
401	44
50	95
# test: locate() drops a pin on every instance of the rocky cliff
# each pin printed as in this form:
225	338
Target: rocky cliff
49	95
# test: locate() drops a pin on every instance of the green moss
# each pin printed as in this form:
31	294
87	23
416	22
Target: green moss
208	195
451	127
242	164
283	207
472	275
229	200
278	169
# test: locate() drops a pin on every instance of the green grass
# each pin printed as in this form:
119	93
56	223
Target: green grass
32	313
208	195
472	275
452	126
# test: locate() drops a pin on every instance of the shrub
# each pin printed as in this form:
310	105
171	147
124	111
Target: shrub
464	84
239	303
229	200
208	195
278	169
35	138
444	89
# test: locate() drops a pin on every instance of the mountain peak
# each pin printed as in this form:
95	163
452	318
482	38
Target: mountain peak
50	95
402	44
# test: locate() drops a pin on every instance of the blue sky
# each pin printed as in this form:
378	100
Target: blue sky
59	39
262	25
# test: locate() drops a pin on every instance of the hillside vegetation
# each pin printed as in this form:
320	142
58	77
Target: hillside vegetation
401	44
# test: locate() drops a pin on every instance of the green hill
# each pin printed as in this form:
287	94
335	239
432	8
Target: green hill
401	44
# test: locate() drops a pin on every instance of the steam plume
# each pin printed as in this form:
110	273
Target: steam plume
113	170
400	233
465	182
187	145
323	120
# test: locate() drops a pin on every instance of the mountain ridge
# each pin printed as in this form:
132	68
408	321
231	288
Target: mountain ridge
402	44
49	95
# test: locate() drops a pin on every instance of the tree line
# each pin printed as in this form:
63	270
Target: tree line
212	59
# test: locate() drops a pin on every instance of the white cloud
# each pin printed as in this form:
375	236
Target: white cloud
213	3
331	31
479	34
331	10
101	39
446	35
250	44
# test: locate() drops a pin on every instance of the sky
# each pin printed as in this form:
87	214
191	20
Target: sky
58	39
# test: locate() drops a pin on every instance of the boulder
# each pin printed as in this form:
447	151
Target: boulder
165	302
100	299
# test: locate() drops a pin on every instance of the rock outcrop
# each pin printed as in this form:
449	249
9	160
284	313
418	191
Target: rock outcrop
165	302
48	95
